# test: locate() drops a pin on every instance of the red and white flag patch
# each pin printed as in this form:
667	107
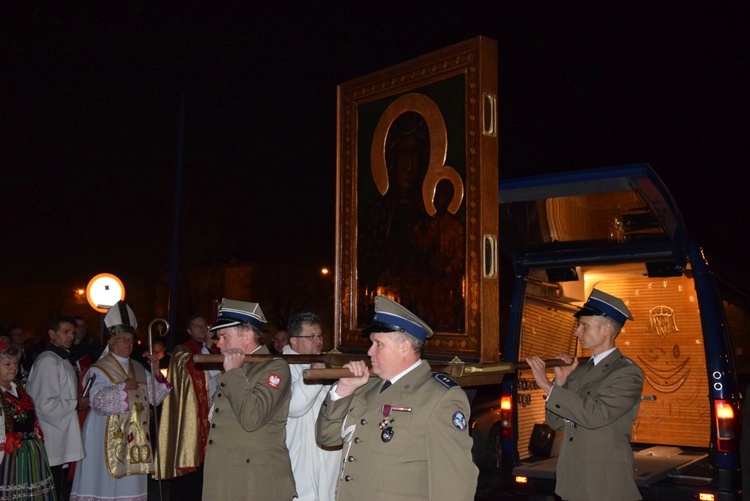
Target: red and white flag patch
274	380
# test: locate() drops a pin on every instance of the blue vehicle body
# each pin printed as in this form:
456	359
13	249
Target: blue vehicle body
620	228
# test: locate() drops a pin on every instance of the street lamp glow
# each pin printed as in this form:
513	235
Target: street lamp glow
103	291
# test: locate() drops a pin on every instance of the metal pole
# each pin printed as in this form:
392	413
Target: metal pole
174	264
153	393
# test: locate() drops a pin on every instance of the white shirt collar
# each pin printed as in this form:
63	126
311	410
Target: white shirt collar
124	361
402	374
12	390
601	356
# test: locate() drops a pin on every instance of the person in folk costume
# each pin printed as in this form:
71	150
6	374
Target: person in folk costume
116	435
24	469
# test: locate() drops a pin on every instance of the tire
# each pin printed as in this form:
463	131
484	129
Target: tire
493	456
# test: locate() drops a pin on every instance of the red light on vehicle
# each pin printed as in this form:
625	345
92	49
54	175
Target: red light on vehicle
726	434
724	410
505	417
505	403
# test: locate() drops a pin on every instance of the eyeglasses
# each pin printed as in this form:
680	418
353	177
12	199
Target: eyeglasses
316	336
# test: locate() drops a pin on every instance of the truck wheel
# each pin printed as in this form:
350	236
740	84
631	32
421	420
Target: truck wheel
493	459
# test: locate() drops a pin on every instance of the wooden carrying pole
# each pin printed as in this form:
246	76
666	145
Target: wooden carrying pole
458	370
494	368
338	359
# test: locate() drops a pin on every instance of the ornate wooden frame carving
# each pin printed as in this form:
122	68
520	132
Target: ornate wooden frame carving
450	95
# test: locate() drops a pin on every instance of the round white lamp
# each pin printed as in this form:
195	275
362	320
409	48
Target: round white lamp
103	291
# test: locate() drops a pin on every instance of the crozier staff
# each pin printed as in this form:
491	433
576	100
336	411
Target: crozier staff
405	432
116	435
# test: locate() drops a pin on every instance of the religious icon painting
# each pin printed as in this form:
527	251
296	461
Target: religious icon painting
418	200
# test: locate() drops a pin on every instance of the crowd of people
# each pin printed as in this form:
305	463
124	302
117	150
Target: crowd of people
51	446
256	424
80	417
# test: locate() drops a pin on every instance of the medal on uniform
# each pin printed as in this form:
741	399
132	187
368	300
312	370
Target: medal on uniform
387	435
386	409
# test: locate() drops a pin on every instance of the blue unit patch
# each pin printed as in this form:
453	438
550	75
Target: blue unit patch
459	420
444	379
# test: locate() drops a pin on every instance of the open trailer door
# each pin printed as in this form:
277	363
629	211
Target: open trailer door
604	214
617	229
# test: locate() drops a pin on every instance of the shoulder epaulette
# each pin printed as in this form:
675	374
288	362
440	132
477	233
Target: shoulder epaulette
444	379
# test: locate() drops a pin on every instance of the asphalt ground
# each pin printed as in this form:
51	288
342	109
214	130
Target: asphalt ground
488	489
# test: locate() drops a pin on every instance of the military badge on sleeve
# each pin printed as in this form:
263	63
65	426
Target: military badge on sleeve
274	380
459	420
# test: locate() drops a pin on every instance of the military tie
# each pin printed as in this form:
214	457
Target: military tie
590	364
385	386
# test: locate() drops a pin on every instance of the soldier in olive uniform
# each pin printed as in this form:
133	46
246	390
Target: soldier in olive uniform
246	455
596	404
405	432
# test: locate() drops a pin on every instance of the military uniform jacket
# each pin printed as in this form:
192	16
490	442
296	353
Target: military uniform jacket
421	452
600	406
246	455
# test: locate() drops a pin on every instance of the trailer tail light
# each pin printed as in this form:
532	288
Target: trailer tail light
726	428
506	407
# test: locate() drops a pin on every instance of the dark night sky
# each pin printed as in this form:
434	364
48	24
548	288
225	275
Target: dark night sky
89	103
